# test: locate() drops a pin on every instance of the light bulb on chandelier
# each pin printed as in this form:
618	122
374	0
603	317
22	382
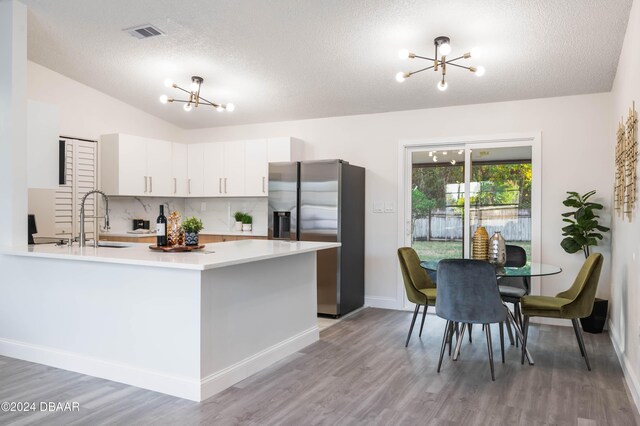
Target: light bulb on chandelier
187	107
442	85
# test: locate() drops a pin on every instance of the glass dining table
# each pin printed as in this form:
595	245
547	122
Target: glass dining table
530	269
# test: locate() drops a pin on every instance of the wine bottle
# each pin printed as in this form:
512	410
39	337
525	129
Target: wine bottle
161	228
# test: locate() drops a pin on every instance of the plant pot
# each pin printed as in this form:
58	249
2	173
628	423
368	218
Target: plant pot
595	322
246	227
191	238
238	226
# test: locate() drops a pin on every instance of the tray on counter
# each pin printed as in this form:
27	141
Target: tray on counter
176	249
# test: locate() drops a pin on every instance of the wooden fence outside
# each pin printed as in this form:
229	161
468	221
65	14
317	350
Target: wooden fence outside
513	224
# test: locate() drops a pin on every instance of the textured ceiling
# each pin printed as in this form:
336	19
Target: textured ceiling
293	59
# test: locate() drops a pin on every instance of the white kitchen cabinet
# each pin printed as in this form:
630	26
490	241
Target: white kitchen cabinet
136	166
256	168
179	174
284	149
213	169
195	170
234	167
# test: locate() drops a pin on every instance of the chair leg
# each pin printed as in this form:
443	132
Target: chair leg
525	335
413	321
490	349
424	315
576	327
470	326
456	352
445	338
502	340
509	331
575	330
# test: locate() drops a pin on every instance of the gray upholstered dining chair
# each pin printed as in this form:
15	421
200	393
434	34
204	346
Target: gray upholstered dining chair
512	289
468	294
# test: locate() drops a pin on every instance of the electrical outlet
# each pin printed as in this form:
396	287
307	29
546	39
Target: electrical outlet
378	207
389	208
203	206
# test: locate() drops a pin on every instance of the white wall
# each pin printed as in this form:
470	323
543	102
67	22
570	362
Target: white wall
87	113
13	122
577	155
625	292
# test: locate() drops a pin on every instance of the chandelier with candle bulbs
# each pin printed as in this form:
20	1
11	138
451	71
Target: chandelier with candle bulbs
194	99
440	61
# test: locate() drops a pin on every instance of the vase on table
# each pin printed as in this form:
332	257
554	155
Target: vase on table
497	250
238	226
480	244
191	238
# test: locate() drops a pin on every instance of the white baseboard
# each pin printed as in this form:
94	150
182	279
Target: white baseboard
632	381
382	302
182	387
239	371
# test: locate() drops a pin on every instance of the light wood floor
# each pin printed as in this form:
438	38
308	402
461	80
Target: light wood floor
361	373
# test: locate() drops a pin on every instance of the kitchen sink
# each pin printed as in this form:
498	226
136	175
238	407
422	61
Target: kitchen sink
111	244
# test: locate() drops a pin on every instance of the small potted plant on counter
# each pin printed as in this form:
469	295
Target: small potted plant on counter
191	225
238	217
247	220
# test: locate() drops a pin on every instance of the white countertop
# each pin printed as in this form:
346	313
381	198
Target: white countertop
153	234
215	255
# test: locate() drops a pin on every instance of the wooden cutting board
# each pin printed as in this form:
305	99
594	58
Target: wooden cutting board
176	249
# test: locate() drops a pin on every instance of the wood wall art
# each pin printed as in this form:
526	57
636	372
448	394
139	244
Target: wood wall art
625	191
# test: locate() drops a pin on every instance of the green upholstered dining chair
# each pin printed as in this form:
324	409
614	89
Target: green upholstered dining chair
574	303
419	287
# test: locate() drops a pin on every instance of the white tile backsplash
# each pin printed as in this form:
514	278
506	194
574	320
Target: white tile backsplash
217	215
122	210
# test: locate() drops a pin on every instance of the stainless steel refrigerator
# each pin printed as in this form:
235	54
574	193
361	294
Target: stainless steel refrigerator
323	201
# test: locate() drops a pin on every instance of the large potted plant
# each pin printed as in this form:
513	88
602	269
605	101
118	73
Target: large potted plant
582	232
192	226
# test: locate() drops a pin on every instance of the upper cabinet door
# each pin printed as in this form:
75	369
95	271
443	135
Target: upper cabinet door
213	169
159	168
234	168
132	165
284	149
179	176
195	170
256	168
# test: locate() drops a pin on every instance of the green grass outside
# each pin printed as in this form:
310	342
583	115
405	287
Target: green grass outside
436	250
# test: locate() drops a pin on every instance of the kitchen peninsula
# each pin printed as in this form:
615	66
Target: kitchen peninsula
184	324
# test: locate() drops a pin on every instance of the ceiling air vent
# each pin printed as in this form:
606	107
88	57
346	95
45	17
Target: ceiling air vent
143	31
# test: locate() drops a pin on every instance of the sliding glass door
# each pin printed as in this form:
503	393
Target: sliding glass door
437	203
454	189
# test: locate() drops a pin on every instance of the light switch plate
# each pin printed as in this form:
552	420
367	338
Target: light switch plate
389	207
378	207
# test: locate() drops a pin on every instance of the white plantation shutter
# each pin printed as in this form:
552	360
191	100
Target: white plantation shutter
81	174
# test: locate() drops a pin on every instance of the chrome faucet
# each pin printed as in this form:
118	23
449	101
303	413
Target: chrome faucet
82	239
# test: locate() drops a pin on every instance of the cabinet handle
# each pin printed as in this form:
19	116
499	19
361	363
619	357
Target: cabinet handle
189	184
219	185
145	184
150	184
175	185
225	185
263	179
